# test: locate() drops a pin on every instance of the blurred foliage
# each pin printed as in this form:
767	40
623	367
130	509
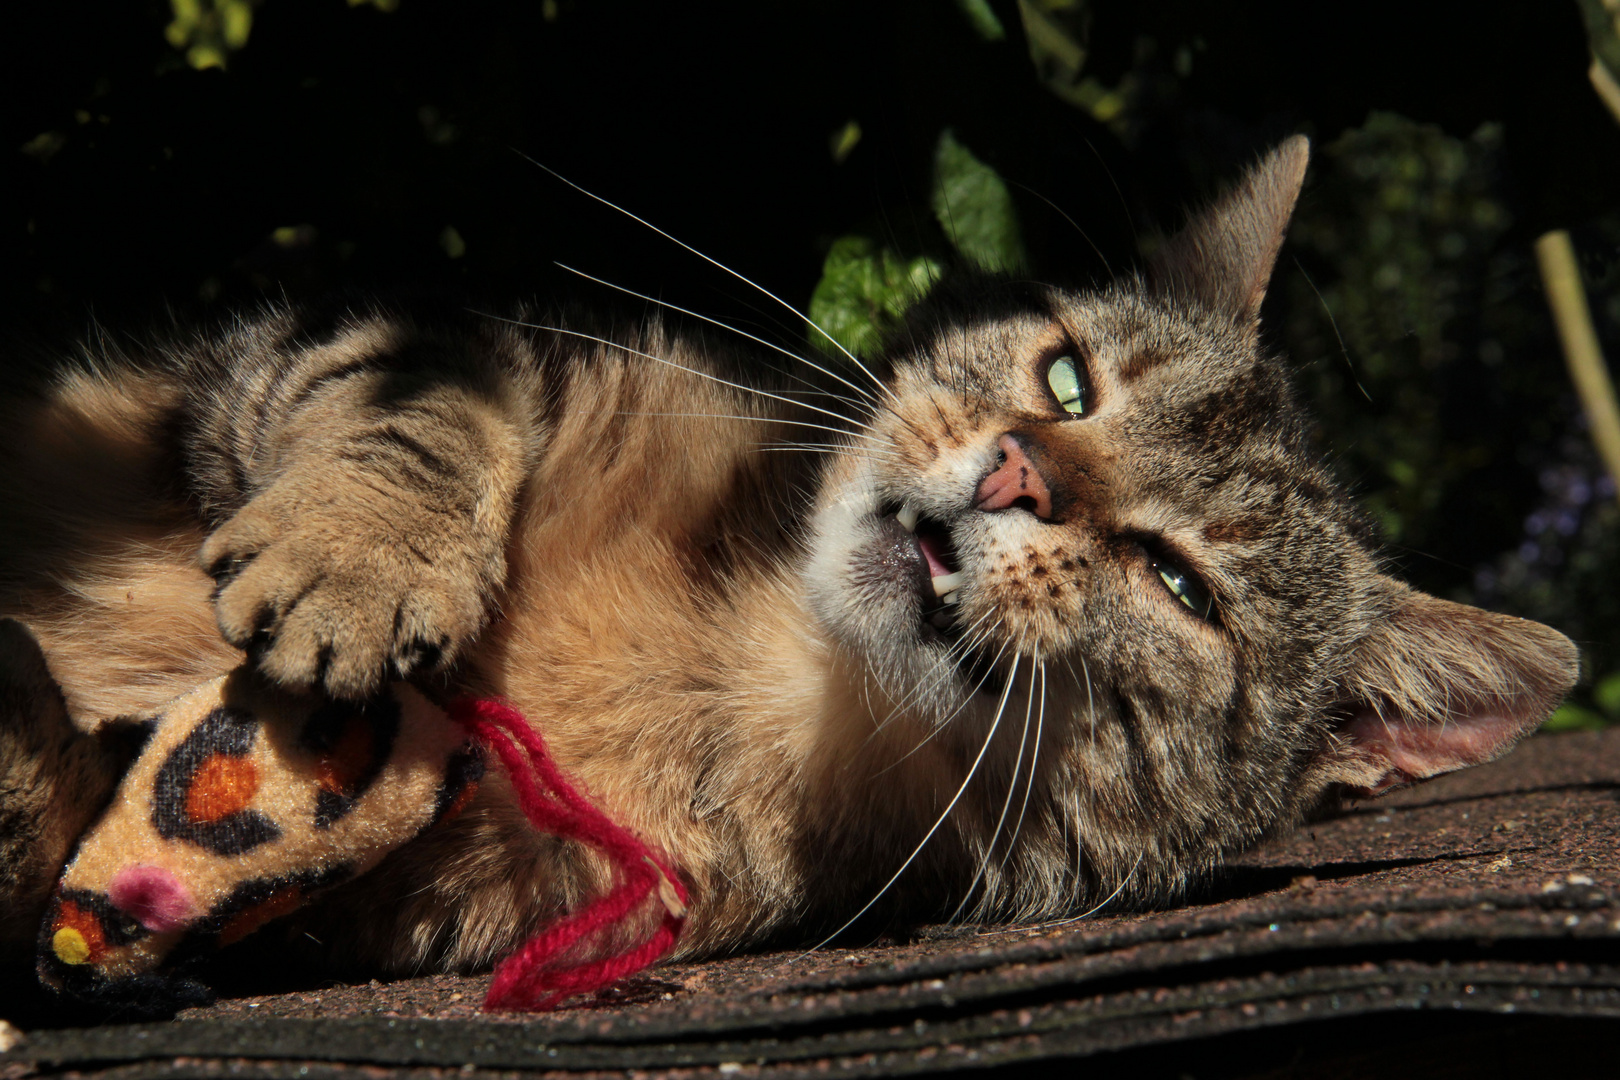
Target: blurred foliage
1392	247
204	152
975	209
1606	710
864	291
1058	31
983	18
208	31
867	284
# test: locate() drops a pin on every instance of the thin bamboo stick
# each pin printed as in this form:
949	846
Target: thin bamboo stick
1561	278
1604	84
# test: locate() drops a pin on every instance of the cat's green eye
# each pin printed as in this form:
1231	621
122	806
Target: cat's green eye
1064	379
1186	588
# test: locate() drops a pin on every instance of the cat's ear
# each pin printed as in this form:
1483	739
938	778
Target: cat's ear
1223	258
1441	686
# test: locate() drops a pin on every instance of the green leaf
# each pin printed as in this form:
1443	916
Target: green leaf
983	18
1607	695
1574	718
864	291
974	208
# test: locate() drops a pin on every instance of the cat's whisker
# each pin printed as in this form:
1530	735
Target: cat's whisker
1034	757
1105	902
842	448
679	367
1344	350
921	435
720	265
1125	206
973	769
861	390
768	420
941	725
1061	213
953	655
1006	804
916	695
818	448
1091	789
833	448
428	951
966	641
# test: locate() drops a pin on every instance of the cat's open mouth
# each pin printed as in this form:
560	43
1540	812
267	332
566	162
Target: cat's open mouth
938	581
925	544
914	553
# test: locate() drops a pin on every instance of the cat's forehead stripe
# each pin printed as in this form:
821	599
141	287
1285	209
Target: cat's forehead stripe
1142	360
1235	530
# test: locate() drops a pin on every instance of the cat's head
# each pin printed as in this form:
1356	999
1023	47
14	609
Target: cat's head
1107	503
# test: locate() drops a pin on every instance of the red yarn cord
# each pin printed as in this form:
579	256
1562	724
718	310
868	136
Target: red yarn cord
533	977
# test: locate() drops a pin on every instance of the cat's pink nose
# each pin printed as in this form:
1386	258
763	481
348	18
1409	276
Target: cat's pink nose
1014	482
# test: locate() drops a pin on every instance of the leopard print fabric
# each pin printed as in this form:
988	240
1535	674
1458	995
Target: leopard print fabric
243	803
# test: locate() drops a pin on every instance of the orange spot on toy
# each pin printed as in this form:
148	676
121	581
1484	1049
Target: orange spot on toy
222	786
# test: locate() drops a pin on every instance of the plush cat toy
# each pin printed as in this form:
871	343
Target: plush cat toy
243	801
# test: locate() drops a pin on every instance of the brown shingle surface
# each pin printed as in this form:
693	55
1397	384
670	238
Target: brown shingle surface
1477	906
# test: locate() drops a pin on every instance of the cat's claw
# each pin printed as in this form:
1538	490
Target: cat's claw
324	598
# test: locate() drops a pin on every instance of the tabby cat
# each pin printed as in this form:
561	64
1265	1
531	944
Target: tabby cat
1055	605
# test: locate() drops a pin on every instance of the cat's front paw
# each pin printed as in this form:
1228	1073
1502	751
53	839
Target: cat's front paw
337	587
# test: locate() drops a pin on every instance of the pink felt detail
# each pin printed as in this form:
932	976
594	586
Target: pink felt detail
533	978
153	896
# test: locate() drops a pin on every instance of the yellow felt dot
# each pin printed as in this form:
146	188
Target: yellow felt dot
70	946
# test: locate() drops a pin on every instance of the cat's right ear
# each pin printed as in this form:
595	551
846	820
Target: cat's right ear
1223	258
1439	686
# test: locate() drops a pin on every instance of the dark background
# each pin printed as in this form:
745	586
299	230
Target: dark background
356	147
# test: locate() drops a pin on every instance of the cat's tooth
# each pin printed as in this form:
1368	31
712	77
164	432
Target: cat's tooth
946	583
908	517
950	597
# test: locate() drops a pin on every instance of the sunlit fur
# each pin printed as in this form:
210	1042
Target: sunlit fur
661	551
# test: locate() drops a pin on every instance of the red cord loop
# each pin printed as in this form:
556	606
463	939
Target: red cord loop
532	978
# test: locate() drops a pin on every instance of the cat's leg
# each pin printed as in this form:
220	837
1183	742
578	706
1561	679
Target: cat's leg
364	488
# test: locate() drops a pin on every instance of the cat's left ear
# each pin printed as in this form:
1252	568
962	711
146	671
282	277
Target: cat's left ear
1223	258
1440	686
